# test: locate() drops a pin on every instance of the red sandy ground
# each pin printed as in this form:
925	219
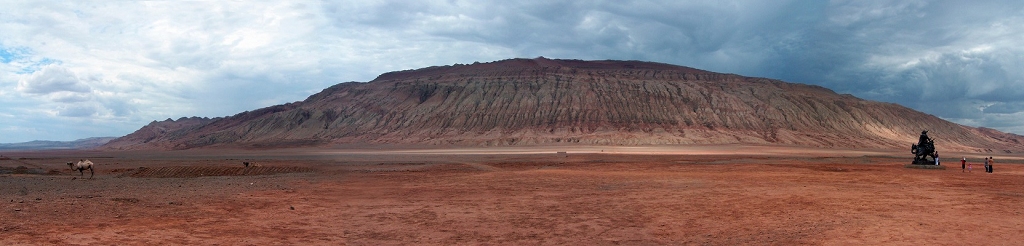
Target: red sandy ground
332	197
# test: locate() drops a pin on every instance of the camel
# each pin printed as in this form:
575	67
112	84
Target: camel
81	166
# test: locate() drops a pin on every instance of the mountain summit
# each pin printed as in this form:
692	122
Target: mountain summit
548	101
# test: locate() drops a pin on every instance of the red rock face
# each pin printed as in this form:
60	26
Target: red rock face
156	134
543	101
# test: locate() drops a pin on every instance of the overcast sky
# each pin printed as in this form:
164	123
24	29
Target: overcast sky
77	69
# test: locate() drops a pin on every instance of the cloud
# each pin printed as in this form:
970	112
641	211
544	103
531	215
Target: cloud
949	59
1005	108
91	65
50	79
68	97
77	111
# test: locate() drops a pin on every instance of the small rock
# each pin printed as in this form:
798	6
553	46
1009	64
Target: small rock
292	208
17	210
38	199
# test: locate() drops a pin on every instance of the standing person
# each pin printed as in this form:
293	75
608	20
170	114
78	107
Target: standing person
970	166
987	161
990	163
963	164
986	165
936	158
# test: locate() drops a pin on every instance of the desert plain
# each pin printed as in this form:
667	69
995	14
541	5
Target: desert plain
577	195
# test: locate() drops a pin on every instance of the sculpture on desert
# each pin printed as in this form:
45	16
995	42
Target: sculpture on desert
924	148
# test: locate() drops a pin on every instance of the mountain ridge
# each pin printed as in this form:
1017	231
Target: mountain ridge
545	101
85	143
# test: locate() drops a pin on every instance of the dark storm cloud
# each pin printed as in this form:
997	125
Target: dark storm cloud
1005	108
956	60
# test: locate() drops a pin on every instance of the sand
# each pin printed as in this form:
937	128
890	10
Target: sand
717	195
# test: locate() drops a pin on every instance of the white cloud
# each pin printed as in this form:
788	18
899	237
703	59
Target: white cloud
52	78
132	62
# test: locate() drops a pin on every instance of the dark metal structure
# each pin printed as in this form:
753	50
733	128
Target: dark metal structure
924	148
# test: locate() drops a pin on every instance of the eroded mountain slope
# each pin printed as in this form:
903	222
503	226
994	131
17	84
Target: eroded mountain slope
544	101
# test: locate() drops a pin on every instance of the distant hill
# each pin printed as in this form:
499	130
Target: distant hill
155	134
544	101
87	143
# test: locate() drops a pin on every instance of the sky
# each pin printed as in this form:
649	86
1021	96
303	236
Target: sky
78	69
